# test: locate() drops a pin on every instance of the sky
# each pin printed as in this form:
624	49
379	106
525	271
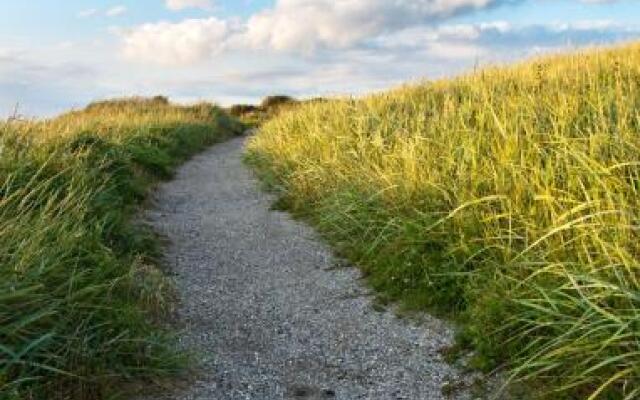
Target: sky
58	55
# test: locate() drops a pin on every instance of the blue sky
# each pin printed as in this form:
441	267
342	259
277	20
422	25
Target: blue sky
58	55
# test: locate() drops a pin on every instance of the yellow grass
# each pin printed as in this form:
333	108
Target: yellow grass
509	197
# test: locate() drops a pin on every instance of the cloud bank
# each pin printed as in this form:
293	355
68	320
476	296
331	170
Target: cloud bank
303	26
177	5
306	25
312	27
183	43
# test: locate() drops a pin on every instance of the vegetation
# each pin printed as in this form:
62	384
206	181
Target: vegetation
269	107
509	197
80	298
276	101
239	110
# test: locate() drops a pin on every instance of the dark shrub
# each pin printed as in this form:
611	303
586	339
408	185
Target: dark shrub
239	110
276	101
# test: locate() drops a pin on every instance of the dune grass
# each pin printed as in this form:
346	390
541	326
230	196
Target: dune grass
80	296
508	198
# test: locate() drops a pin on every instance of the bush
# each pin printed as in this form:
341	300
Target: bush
277	101
239	110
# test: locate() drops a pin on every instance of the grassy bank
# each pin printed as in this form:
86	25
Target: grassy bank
508	198
79	293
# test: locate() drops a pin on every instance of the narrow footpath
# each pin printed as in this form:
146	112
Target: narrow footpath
268	310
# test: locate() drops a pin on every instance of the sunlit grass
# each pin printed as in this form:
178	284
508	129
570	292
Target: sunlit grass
509	197
78	290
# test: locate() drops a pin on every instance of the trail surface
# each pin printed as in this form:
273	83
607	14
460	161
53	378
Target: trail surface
265	307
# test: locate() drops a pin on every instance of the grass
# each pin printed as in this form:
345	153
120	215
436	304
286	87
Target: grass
256	115
508	198
80	295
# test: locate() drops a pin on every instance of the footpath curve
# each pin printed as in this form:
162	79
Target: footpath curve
267	310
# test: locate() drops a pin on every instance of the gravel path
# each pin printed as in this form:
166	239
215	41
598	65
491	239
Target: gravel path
265	307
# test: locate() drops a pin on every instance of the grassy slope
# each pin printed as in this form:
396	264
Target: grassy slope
509	198
78	289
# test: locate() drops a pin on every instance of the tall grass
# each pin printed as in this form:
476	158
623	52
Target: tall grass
79	295
509	197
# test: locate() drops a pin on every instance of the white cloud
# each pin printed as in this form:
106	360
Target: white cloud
183	43
309	24
177	5
116	11
320	26
291	25
87	13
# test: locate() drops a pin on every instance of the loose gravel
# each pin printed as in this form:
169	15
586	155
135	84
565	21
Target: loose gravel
266	309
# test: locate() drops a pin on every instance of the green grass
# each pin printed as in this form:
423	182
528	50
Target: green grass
508	198
81	299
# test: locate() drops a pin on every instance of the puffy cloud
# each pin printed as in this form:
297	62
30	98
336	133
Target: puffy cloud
177	5
293	25
183	43
309	24
321	26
